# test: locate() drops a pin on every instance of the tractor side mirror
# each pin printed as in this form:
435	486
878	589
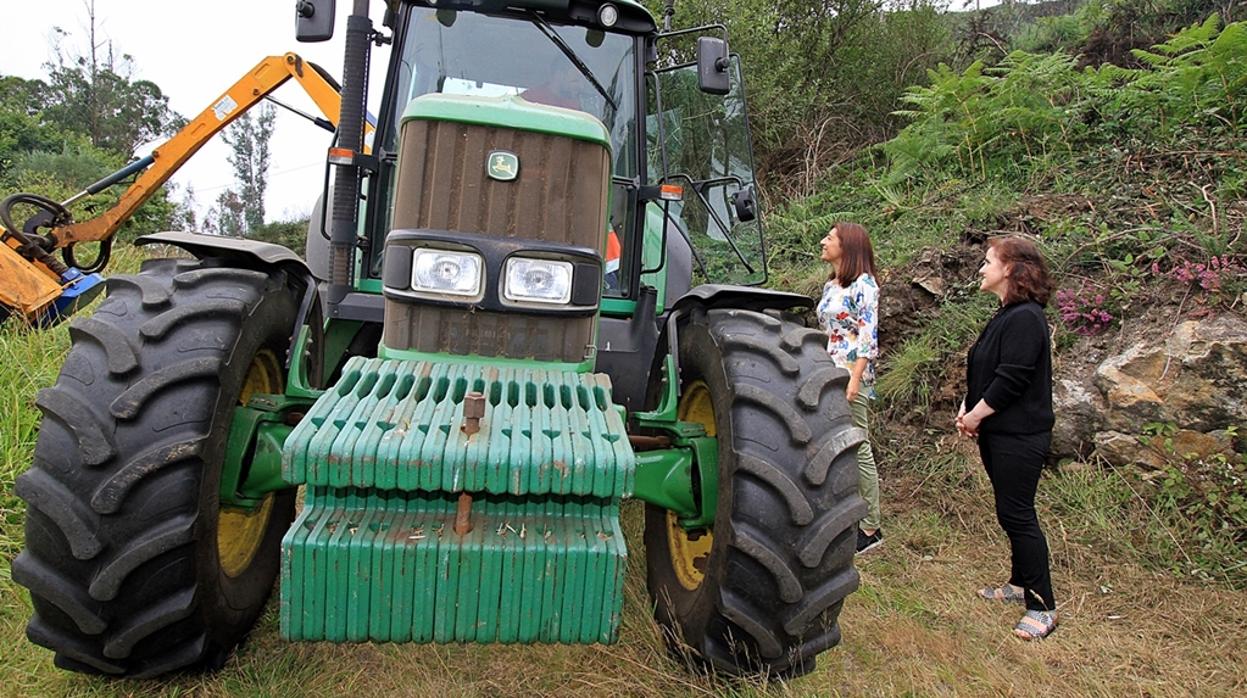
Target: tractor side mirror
746	207
712	75
313	20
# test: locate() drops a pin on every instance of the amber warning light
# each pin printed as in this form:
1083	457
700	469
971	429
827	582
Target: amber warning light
341	156
671	192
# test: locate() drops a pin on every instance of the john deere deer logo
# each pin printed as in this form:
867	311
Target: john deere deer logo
502	166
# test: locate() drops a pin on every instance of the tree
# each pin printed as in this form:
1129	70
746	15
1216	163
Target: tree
248	140
22	130
56	137
227	216
823	76
95	91
289	234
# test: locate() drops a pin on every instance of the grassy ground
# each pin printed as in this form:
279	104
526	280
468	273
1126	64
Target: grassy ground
915	626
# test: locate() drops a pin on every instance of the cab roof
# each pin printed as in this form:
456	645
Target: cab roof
633	16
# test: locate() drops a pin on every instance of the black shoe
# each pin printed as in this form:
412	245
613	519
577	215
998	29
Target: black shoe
865	542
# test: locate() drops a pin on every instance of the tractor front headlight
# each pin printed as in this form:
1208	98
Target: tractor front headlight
537	281
445	271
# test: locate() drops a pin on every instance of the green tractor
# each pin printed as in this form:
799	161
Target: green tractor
532	295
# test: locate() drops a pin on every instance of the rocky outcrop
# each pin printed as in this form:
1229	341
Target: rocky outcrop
911	293
1080	411
1187	380
1192	380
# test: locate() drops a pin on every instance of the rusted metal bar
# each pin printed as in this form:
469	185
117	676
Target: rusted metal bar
463	517
473	410
648	443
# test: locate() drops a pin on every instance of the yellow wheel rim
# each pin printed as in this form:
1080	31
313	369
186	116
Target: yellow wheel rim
240	531
690	554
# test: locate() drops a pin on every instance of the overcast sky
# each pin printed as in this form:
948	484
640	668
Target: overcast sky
194	51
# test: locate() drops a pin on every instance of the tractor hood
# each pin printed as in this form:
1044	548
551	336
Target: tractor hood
514	112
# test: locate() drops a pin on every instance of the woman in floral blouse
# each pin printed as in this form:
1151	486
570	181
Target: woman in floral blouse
849	313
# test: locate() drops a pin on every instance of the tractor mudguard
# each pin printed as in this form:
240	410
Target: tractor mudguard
265	254
714	296
743	297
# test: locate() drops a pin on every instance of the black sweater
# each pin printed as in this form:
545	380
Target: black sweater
1010	367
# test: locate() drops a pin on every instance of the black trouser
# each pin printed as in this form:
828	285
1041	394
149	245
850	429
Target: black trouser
1013	463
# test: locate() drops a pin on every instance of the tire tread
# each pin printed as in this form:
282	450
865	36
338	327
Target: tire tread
114	492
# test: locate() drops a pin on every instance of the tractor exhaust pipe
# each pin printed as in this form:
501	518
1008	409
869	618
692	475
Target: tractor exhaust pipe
344	223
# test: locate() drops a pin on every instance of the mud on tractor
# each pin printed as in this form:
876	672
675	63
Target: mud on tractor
534	294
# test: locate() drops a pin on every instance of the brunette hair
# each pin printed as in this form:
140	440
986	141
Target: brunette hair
857	257
1028	272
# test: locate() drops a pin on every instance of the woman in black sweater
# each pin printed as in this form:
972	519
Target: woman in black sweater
1009	391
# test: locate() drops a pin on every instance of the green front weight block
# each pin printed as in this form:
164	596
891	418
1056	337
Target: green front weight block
457	502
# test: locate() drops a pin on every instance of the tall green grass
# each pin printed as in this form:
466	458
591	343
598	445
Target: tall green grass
29	360
911	373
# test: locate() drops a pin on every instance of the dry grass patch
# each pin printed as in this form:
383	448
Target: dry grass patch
916	627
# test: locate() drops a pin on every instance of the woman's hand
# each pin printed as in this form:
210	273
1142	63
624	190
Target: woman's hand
969	424
855	379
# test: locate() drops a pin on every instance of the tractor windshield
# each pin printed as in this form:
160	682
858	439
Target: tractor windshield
468	53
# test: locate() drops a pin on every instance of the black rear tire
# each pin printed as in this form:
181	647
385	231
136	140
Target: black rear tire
122	555
770	582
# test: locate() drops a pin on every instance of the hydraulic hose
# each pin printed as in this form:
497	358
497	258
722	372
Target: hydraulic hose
101	258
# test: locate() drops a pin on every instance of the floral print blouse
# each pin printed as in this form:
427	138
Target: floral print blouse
850	317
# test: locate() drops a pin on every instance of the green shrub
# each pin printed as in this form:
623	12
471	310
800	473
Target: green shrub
1207	500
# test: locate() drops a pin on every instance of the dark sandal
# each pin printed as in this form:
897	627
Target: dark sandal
1035	625
1006	593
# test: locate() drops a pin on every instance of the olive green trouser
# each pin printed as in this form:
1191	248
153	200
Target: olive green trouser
867	473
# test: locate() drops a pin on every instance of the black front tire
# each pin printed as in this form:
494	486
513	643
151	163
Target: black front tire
122	555
771	580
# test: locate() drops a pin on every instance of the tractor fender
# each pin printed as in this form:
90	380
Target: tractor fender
744	297
250	252
710	297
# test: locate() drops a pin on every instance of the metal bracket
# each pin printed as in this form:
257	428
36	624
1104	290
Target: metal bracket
252	464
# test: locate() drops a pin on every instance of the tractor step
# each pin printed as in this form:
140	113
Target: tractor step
417	529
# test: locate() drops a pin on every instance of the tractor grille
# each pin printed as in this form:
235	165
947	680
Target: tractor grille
558	196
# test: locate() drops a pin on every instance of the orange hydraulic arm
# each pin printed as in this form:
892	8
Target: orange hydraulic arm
28	284
266	76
